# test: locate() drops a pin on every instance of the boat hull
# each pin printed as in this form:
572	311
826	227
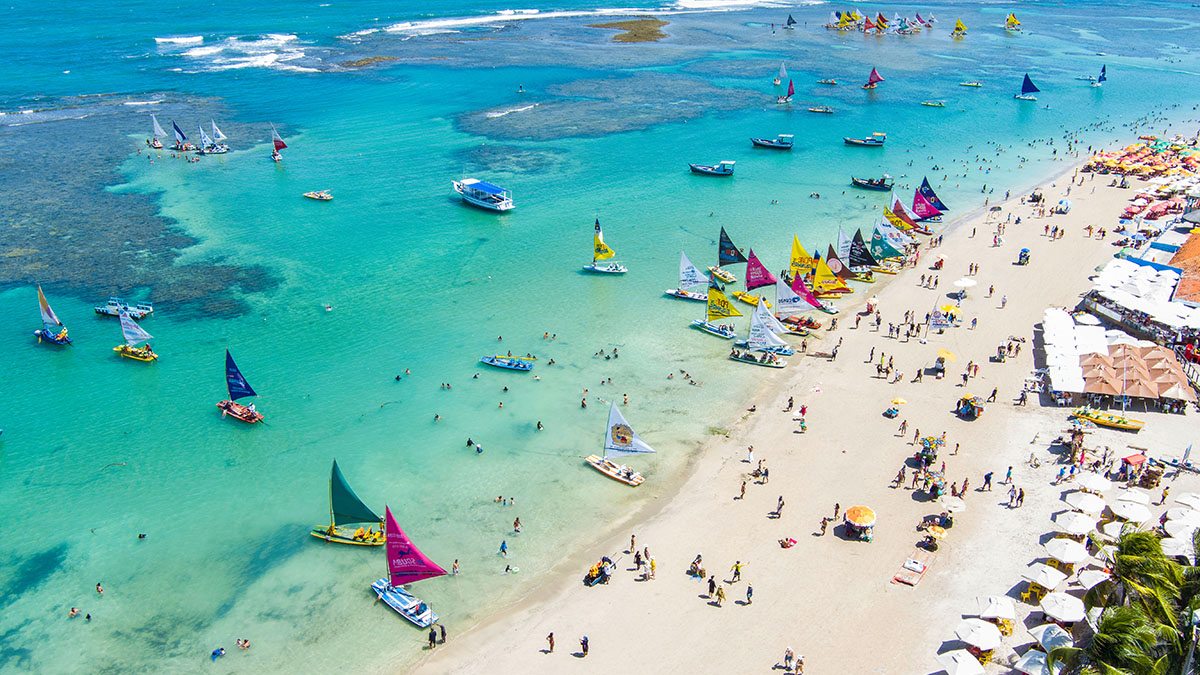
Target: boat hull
597	268
46	337
725	333
1109	420
749	298
771	144
1025	97
753	361
863	142
705	170
137	354
344	535
406	604
613	471
506	363
239	412
780	350
721	275
867	184
686	295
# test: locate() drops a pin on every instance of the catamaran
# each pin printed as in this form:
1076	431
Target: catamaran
1028	89
345	508
52	330
727	254
1011	24
873	79
1103	77
781	76
114	306
181	141
154	141
406	565
602	251
277	144
483	194
134	334
786	99
717	307
619	440
689	277
238	388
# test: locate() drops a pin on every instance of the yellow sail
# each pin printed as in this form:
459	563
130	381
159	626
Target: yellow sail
1012	20
855	15
802	263
601	250
845	21
719	306
959	26
895	220
824	280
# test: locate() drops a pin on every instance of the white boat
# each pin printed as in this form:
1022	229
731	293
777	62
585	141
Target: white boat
115	306
764	333
155	141
483	194
406	565
213	145
277	144
718	307
689	277
602	251
619	439
782	74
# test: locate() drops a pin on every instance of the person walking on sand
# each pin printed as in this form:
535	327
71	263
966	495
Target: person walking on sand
583	645
632	543
837	508
720	596
737	572
788	657
1021	497
824	525
712	585
1008	476
550	640
750	455
903	427
432	637
1163	500
653	567
742	494
749	594
992	397
1003	301
987	481
442	632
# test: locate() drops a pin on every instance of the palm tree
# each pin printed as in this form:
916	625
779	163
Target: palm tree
1142	576
1126	642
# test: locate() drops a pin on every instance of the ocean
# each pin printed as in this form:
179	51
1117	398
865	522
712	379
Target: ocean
96	449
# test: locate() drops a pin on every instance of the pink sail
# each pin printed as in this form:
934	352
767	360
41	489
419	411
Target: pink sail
757	274
801	289
406	563
874	77
791	89
922	208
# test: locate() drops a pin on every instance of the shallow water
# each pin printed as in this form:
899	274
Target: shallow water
96	449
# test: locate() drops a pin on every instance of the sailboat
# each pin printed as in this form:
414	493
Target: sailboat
134	334
791	23
782	74
868	26
782	100
800	264
619	440
238	388
52	329
345	508
789	304
602	251
689	277
212	146
757	276
1011	24
277	142
801	289
825	283
158	133
843	271
718	307
727	254
406	565
899	217
1028	89
873	79
1103	77
763	337
181	141
960	29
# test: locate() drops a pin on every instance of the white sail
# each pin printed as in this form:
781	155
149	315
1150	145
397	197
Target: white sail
217	135
843	244
763	314
782	72
205	141
894	237
619	438
788	302
761	335
132	331
158	130
688	274
48	317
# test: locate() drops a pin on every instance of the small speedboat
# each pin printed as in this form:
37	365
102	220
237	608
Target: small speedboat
972	83
875	140
722	168
883	184
780	142
684	294
508	363
483	194
723	331
821	109
606	268
934	104
829	82
320	195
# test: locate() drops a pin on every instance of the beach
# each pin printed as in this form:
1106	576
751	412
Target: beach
829	598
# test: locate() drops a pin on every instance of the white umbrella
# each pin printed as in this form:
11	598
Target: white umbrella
1063	607
1181	515
978	633
1082	501
1033	662
1180	529
1066	550
965	283
1087	320
1073	522
953	504
1190	499
1044	575
1051	636
1131	511
1173	546
1089	578
1112	530
960	662
997	607
1093	481
1135	496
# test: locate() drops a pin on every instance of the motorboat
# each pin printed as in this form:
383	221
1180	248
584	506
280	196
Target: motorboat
484	195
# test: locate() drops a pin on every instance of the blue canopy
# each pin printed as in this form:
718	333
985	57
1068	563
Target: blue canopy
490	188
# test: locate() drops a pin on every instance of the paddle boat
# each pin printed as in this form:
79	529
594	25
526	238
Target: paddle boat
748	298
883	184
483	194
686	294
238	388
722	330
134	335
875	140
1108	419
722	168
823	109
722	275
115	306
767	359
345	509
52	331
830	82
972	83
780	142
406	564
508	362
320	195
619	439
934	104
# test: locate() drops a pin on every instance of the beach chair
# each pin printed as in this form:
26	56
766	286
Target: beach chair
1026	595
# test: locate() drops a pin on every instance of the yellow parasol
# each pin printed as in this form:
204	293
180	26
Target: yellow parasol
860	516
947	354
898	401
950	309
937	532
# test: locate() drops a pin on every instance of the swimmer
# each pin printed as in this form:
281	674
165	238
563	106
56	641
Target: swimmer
141	535
328	308
218	653
437	417
99	589
539	425
73	613
504	548
470	442
397	378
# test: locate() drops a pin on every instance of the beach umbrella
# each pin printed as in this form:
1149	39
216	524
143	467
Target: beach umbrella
1112	530
899	401
1066	550
950	309
1180	529
953	504
1089	578
1173	546
1082	501
1033	662
997	607
1135	496
965	283
946	353
1178	392
1044	575
979	633
1063	607
1093	482
1131	511
936	531
1183	513
1087	320
1189	499
960	662
1073	522
1051	636
860	516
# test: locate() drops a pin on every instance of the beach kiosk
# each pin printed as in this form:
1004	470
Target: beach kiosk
970	407
860	522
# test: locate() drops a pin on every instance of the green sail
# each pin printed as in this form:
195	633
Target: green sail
345	506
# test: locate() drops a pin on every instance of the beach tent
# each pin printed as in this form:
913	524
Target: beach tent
978	633
960	662
1073	522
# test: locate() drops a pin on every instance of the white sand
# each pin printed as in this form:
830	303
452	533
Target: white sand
832	599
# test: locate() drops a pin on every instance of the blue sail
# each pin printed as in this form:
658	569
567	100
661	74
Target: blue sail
1103	74
1028	87
727	253
179	135
238	386
931	196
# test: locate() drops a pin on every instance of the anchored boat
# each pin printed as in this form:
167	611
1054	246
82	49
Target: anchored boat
875	140
1028	89
134	335
722	168
883	184
718	307
619	440
406	565
508	362
181	141
155	139
116	305
484	195
602	251
238	388
52	331
764	334
345	508
780	142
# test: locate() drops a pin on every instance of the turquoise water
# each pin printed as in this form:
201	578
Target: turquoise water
96	449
